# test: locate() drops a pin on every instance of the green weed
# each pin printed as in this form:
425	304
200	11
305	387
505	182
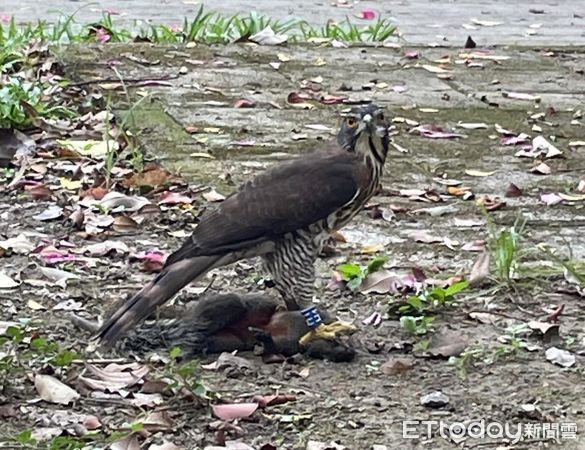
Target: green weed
354	274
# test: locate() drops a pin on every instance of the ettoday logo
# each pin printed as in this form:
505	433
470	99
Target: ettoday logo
482	430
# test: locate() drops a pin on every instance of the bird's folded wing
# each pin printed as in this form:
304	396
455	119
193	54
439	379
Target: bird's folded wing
285	199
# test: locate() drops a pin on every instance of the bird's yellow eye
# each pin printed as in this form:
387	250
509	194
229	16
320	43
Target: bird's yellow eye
351	122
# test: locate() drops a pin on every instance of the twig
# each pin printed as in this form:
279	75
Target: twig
103	361
123	80
555	316
495	313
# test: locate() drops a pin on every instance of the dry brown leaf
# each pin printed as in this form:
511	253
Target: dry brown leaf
480	270
396	366
124	224
447	344
158	421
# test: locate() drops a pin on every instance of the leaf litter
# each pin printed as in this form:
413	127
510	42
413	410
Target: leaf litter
45	180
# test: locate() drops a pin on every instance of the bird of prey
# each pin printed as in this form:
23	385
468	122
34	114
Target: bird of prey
284	215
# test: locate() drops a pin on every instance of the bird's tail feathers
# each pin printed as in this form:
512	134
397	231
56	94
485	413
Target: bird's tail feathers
171	280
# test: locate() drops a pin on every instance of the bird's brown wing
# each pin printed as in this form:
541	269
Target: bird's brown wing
284	199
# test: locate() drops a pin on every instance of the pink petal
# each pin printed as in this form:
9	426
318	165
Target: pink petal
5	18
522	138
368	14
173	198
432	132
412	55
551	199
234	410
151	255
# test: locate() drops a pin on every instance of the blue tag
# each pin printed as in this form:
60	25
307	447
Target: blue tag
312	316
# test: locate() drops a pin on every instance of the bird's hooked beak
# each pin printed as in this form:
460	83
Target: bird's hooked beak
365	123
368	123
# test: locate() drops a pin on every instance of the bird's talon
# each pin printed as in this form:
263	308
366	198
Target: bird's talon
328	332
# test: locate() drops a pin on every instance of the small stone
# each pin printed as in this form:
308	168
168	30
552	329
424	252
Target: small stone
183	70
434	400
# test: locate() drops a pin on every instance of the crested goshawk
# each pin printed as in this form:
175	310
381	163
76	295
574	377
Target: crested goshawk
284	215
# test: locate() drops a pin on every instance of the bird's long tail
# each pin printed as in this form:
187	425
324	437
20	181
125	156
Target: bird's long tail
172	279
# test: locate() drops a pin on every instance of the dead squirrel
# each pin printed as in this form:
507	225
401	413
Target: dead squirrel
228	322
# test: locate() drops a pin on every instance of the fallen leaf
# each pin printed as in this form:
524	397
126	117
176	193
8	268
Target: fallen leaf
158	421
435	132
114	376
38	192
491	204
124	224
213	196
386	281
522	138
245	103
69	184
549	332
560	357
414	54
58	276
472	126
97	193
550	199
521	96
267	36
51	213
166	445
367	14
54	391
174	198
572	197
272	400
152	178
118	202
480	270
447	344
6	282
513	191
541	169
234	410
424	237
9	410
34	305
106	247
485	23
20	245
128	443
91	148
541	145
396	366
317	445
435	69
150	400
479	173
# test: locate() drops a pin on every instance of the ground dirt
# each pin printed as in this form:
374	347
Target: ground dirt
356	404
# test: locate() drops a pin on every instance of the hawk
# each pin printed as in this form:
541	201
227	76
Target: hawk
284	215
